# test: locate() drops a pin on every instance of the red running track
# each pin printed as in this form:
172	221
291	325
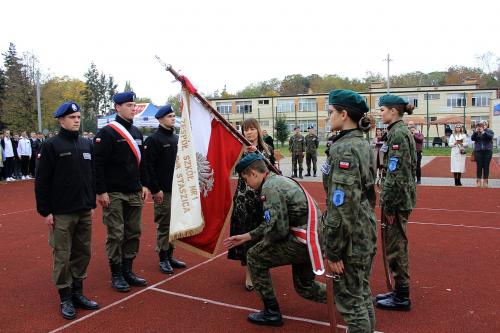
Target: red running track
454	254
440	167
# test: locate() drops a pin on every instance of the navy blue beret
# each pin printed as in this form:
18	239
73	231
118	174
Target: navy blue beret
163	111
124	97
247	160
66	108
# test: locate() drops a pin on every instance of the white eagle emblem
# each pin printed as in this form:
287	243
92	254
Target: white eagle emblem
205	174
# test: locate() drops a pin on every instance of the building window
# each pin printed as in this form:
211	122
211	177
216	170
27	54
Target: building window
411	100
285	105
456	101
481	100
291	126
263	102
304	124
224	107
244	107
325	107
307	104
264	123
431	96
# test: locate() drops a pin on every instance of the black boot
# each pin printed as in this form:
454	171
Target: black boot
399	302
79	300
174	262
270	316
294	175
117	281
380	297
300	174
165	266
308	174
130	276
314	174
456	178
67	308
459	179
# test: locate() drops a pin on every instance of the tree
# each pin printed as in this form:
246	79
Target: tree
128	87
143	100
2	95
282	131
176	105
294	84
19	95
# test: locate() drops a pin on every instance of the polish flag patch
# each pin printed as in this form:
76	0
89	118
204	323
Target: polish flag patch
395	147
344	165
97	140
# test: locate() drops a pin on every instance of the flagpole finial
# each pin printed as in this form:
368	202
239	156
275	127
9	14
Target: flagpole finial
166	66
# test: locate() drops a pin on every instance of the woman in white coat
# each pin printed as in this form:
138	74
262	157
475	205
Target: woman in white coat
458	143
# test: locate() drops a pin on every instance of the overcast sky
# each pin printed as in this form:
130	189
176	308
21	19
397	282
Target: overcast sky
235	43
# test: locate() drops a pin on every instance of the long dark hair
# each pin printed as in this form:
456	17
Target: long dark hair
253	123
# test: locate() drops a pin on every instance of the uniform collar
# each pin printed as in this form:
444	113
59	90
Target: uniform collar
347	133
70	135
122	121
395	124
166	130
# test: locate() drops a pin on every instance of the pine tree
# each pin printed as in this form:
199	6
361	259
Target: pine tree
2	95
19	111
282	131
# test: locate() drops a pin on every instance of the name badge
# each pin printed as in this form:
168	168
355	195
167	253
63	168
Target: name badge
65	154
87	156
166	145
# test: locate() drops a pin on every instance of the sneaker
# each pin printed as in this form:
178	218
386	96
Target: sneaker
10	179
23	178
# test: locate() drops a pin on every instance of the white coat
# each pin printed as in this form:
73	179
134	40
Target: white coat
457	159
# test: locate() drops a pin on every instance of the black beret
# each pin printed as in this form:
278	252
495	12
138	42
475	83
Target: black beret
247	160
66	108
163	111
124	97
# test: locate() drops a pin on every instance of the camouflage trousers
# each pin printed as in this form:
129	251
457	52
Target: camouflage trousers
261	258
162	220
70	241
297	159
123	221
311	157
353	296
396	247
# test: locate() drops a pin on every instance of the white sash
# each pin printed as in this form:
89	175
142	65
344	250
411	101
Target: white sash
122	131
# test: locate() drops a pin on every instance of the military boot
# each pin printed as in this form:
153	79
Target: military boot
117	281
314	174
294	175
308	174
174	262
165	266
79	300
130	276
67	308
399	302
300	174
380	297
270	316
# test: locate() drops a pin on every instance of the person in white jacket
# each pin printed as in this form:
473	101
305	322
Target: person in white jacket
24	153
458	143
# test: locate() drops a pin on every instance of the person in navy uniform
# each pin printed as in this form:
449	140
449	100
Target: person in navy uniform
65	197
121	180
160	153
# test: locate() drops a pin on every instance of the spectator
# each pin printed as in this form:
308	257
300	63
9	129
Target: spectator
379	155
1	158
8	148
419	139
17	159
483	152
270	142
458	142
24	154
35	149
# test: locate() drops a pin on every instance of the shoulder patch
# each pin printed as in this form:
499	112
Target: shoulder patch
325	168
393	163
267	215
97	140
395	147
338	198
344	165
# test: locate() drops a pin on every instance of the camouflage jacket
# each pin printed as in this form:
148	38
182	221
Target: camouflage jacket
312	143
297	144
349	230
284	206
400	162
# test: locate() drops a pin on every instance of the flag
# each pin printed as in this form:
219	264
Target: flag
217	151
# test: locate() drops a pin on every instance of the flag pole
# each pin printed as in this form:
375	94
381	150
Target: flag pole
187	84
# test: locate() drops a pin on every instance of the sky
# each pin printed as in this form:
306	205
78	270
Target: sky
235	43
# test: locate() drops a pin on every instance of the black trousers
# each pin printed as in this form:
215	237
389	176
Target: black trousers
25	164
32	164
8	167
483	159
419	162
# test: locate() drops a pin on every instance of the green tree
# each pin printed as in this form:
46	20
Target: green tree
2	95
294	84
128	87
282	131
19	96
143	100
174	101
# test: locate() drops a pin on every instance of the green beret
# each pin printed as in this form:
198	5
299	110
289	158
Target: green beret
349	99
247	160
391	100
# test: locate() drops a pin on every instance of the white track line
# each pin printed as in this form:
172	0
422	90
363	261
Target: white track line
455	225
19	211
232	306
135	294
458	210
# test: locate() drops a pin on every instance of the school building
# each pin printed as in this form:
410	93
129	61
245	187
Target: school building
437	108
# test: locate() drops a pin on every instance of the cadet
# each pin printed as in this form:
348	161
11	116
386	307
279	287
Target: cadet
160	152
350	229
297	146
120	179
65	196
397	199
285	206
312	143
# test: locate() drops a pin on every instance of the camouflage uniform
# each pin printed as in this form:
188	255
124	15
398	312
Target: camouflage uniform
399	197
297	146
349	227
312	143
285	206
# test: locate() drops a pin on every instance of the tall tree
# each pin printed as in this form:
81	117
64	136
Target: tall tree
128	87
175	102
294	84
19	96
2	95
282	131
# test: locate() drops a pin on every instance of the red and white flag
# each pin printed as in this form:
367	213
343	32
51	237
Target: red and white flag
217	151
